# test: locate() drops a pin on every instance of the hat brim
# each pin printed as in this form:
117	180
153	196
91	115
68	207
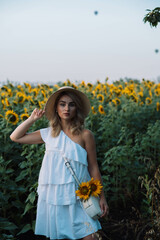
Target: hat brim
49	108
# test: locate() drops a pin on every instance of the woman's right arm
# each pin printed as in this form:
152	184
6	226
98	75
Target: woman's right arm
20	134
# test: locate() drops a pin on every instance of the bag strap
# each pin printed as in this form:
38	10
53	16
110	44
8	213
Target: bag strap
68	165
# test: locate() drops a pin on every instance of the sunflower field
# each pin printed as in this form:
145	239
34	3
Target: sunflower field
125	120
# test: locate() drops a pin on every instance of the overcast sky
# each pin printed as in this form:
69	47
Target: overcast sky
47	41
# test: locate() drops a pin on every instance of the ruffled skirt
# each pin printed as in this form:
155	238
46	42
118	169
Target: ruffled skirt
64	221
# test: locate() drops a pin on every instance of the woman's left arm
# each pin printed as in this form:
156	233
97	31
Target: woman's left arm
93	168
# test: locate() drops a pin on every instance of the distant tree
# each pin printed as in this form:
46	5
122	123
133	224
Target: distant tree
153	17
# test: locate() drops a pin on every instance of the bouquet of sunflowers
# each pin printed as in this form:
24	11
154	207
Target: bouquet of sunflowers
89	193
90	188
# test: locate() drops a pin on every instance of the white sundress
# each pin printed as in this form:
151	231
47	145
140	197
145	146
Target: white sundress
60	214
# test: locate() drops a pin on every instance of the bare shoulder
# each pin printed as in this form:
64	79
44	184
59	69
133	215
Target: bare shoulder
86	133
87	136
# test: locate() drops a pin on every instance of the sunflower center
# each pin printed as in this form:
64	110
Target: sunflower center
24	117
84	190
93	187
12	118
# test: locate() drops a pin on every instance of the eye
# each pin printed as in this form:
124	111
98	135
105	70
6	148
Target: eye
72	104
62	104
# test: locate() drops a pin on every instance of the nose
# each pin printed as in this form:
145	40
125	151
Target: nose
67	107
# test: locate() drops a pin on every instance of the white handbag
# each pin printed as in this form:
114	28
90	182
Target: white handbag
91	205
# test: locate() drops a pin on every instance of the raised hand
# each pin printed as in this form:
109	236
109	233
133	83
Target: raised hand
37	114
20	133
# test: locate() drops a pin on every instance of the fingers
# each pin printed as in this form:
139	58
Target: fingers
105	210
38	112
41	112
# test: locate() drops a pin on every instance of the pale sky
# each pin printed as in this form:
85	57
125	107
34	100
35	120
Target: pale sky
46	41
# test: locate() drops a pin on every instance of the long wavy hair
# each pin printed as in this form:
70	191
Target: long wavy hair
77	123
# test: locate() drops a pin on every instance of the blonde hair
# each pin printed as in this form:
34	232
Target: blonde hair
77	123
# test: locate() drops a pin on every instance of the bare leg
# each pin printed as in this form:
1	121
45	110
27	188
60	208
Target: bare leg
92	237
89	237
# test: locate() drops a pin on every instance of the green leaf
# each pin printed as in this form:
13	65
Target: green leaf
25	229
7	226
23	164
31	197
27	208
22	175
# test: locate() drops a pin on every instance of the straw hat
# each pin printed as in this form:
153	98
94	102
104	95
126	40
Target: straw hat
49	108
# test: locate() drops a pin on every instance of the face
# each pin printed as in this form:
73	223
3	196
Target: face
66	108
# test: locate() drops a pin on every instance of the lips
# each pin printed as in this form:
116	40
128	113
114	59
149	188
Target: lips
66	114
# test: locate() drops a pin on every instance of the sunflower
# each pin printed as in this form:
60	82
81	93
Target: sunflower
134	97
141	103
140	94
100	97
83	84
7	102
96	187
150	93
117	92
105	89
89	85
37	104
15	102
29	98
74	86
35	92
4	94
21	97
43	93
98	87
148	100
93	93
1	116
9	92
25	110
111	90
68	82
93	110
56	86
120	87
101	110
4	88
158	106
27	85
157	91
42	103
126	91
84	190
24	116
20	88
12	117
116	101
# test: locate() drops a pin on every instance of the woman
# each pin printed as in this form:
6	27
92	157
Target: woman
60	214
